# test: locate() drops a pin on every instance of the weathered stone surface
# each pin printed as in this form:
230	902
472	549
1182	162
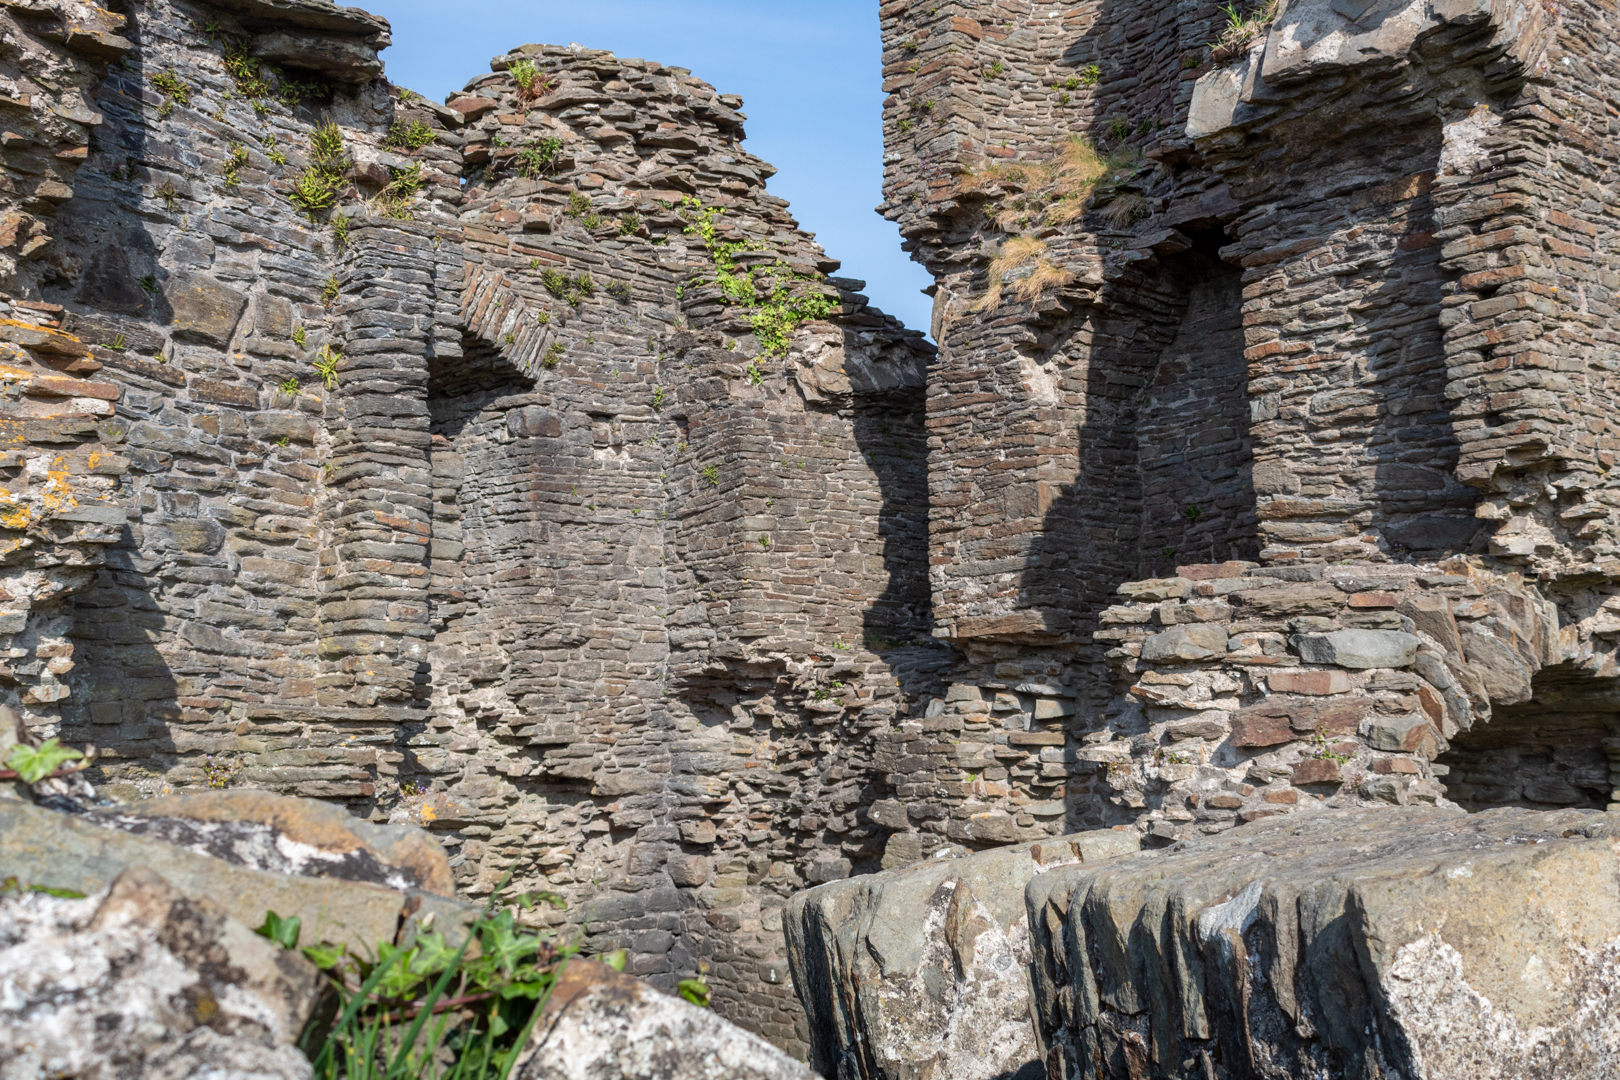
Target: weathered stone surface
1358	649
47	847
1419	943
141	980
601	1025
922	971
283	835
1199	641
204	308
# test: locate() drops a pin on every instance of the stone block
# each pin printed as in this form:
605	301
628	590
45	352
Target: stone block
1053	708
1308	682
1439	945
202	307
923	967
1188	643
1316	771
600	1025
1409	734
1359	648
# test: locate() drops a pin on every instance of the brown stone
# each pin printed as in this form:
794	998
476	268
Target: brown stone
1223	802
1372	600
202	308
1308	682
1399	765
1316	771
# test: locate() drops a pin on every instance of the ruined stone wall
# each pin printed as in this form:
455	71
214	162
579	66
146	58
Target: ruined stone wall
536	484
1356	554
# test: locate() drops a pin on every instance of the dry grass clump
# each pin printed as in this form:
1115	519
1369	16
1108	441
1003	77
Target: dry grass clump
1125	211
1068	179
1240	30
1017	252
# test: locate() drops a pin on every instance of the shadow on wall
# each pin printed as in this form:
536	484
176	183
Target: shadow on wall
890	429
1550	751
126	697
1165	470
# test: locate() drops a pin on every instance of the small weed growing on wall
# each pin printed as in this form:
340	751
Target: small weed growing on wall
629	224
289	385
1090	75
326	365
1192	512
169	194
619	290
330	290
755	373
234	164
538	158
1239	30
174	89
149	283
658	397
531	82
993	71
340	231
318	186
553	355
711	473
395	199
299	336
579	204
408	136
768	292
593	221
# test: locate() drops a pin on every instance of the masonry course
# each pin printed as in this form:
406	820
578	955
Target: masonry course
534	478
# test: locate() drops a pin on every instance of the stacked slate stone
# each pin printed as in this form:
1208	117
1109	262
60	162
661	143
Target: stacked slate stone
1276	411
449	462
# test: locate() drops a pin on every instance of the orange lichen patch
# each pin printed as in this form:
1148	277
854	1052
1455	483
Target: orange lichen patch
41	339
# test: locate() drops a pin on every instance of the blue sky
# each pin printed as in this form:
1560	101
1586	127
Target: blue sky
809	75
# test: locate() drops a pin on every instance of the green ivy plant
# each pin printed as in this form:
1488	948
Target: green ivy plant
34	763
768	292
430	1010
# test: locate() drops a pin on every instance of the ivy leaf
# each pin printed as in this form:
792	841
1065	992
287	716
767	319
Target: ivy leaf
33	765
401	979
694	990
503	945
325	956
433	955
283	932
617	959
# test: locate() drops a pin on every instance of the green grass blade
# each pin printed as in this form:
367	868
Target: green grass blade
427	1005
534	1018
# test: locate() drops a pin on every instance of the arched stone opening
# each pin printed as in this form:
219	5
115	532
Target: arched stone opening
1551	751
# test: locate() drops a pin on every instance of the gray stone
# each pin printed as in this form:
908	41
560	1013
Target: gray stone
1411	942
47	847
141	980
202	308
921	970
601	1025
1359	648
1188	642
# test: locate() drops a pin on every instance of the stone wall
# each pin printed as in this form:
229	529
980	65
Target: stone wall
1270	414
542	489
